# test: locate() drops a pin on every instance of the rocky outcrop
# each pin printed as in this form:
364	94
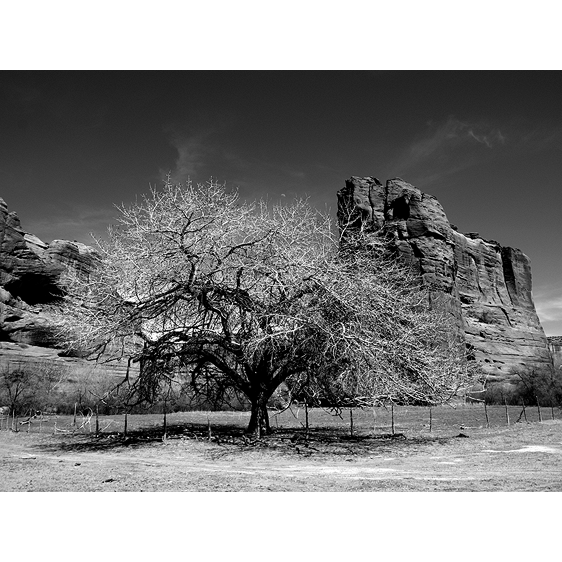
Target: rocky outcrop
485	286
29	271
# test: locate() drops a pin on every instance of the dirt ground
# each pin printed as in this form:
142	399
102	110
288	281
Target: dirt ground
520	457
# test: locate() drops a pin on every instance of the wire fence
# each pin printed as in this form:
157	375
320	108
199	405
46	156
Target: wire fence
406	420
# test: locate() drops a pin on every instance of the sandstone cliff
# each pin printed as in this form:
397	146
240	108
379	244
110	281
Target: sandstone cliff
485	286
29	270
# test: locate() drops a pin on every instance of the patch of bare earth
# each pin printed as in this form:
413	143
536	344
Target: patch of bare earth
522	457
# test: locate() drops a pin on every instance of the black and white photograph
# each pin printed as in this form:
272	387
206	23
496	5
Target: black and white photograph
250	258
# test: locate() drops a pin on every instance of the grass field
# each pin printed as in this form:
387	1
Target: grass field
208	451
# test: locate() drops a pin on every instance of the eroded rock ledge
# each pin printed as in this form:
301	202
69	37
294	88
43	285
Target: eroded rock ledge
487	287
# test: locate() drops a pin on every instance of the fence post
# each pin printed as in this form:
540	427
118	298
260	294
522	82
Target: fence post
538	408
486	413
506	411
125	426
351	422
74	422
97	421
306	419
165	423
430	419
392	415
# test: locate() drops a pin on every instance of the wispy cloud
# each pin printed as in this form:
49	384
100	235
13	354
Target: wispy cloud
490	139
448	147
193	152
449	136
453	145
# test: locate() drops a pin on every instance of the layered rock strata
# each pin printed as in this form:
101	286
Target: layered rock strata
29	271
485	286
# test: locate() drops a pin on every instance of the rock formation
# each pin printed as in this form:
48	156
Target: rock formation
485	286
29	271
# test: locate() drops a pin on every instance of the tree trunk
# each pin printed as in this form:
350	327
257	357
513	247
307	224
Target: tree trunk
259	419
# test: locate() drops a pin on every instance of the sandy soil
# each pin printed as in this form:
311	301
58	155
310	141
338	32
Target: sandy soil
522	457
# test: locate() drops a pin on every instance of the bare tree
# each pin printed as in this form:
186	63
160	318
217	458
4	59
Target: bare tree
29	387
248	296
18	388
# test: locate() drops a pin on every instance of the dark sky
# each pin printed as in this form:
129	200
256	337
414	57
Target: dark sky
487	144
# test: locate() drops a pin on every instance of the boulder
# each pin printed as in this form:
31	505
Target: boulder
485	286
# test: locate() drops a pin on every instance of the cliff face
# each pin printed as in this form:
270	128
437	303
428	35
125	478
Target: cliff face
485	286
29	270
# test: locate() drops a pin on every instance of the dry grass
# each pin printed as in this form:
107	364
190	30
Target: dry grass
521	457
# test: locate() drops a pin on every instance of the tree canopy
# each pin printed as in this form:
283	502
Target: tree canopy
247	297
